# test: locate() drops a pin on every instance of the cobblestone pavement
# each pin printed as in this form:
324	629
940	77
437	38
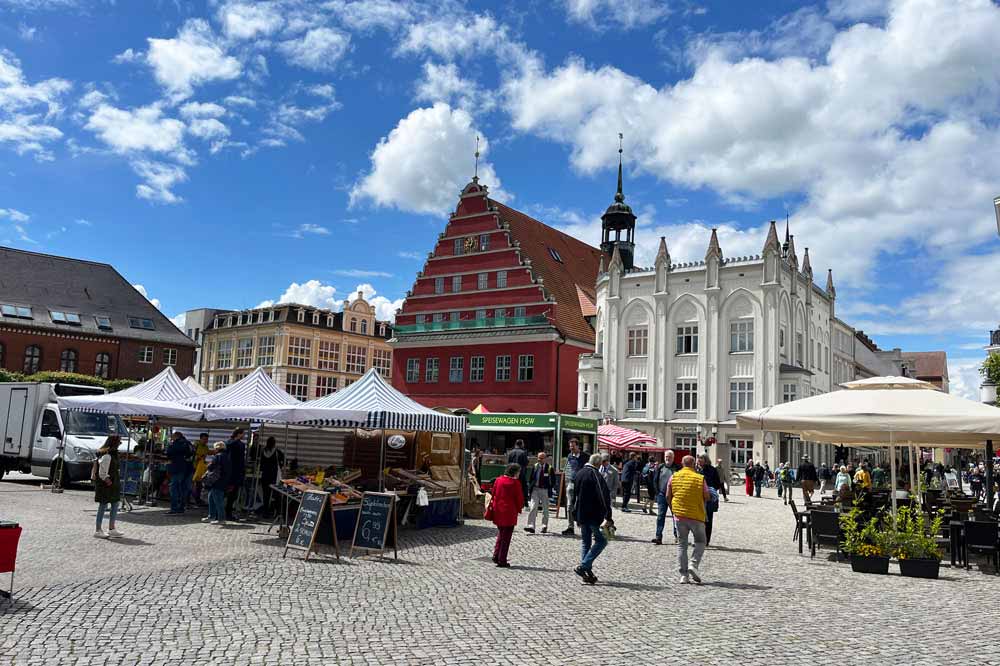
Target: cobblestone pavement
176	591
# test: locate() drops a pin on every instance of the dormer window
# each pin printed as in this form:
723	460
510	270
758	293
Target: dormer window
354	325
143	323
329	321
18	311
364	327
103	323
316	318
301	315
555	254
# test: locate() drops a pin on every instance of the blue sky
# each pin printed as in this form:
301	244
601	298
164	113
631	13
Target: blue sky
229	153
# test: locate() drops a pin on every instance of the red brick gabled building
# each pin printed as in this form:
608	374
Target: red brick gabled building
499	313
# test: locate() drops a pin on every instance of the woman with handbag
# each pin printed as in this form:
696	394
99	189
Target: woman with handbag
507	502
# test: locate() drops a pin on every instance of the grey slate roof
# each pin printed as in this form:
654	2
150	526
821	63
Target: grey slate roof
46	282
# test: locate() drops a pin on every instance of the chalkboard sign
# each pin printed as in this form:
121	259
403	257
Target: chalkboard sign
307	520
376	517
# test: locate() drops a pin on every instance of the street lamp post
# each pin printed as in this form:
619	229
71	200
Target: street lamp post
996	207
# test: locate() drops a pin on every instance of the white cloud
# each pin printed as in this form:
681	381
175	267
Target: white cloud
160	178
424	162
27	110
242	20
313	292
416	256
26	32
14	215
852	10
138	130
452	37
385	309
142	290
324	90
370	14
444	83
180	321
84	223
964	378
319	49
192	58
202	110
129	55
307	229
876	143
239	100
208	128
361	273
39	5
624	13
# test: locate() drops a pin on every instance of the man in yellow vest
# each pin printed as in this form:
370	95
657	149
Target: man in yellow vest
687	493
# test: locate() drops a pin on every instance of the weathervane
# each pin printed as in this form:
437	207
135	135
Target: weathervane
475	177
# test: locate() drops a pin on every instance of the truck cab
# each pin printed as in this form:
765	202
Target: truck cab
35	432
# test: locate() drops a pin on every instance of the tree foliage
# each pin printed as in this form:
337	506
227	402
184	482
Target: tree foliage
112	385
990	370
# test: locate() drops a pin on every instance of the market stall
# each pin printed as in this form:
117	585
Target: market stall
616	438
495	434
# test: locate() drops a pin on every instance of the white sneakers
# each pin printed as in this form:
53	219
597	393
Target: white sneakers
206	519
695	576
115	534
684	580
99	534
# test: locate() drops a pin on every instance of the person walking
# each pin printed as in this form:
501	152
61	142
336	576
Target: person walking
236	450
214	481
541	480
862	479
807	477
786	480
272	459
826	479
759	478
593	508
661	477
611	476
505	506
724	475
687	494
180	453
575	461
647	482
108	487
711	476
748	478
519	456
630	476
842	486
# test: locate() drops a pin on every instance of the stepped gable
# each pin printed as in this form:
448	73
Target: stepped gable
561	279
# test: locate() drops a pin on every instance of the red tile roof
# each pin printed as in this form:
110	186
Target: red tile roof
577	272
927	365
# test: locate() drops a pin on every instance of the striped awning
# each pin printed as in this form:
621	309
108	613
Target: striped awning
254	390
617	437
386	407
195	387
164	386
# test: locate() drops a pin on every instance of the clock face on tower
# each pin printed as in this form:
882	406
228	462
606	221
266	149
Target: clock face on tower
471	244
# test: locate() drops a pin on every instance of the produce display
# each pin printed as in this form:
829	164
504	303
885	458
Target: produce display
331	480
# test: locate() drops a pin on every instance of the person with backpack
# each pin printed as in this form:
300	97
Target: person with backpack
631	471
647	481
786	479
106	476
214	482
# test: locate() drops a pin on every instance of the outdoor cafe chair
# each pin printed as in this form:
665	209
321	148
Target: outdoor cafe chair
983	537
801	525
825	527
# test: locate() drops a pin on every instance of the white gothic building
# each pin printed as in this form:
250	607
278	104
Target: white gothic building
681	347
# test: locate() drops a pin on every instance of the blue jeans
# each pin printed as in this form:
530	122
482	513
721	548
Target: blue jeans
217	504
661	514
589	534
179	490
111	519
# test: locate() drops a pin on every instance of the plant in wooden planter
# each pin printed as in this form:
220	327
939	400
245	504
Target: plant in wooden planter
914	543
867	542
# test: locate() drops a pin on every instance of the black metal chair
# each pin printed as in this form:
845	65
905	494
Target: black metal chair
983	538
801	525
825	527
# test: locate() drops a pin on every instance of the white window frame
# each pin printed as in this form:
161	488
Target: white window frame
741	336
145	354
501	279
355	359
687	340
295	386
382	361
741	395
483	281
299	352
439	285
328	355
456	369
740	451
412	370
503	362
789	392
223	357
635	396
477	369
638	341
325	385
170	356
686	395
432	371
265	350
244	354
526	367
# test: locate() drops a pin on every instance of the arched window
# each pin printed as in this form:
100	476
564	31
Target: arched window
102	365
364	327
354	325
32	359
67	360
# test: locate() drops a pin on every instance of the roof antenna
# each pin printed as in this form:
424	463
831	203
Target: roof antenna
475	177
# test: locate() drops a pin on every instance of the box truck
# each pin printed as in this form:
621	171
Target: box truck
35	433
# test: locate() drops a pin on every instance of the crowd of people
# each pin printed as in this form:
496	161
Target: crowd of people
689	492
202	476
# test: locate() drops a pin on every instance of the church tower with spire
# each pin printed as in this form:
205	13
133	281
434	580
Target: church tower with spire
618	223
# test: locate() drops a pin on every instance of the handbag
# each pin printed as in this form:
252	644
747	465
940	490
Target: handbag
488	513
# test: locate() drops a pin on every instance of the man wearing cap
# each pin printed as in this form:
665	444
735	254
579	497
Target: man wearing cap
807	476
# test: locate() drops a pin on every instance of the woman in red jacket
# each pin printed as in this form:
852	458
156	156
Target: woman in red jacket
508	500
748	471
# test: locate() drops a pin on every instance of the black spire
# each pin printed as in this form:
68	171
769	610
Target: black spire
619	218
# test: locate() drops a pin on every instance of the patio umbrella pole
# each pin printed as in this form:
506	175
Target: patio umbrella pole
892	471
989	474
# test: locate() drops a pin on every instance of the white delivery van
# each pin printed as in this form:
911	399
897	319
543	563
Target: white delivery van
32	431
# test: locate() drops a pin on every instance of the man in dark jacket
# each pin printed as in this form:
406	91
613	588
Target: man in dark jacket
661	477
714	481
236	450
807	476
593	507
759	477
575	461
520	456
180	453
630	476
541	480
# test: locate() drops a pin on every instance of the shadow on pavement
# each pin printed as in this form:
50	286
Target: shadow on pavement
736	586
125	541
637	587
736	550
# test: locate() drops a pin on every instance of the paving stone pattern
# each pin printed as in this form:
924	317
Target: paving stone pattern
176	591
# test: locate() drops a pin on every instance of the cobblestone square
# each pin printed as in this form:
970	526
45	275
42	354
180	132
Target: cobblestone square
176	591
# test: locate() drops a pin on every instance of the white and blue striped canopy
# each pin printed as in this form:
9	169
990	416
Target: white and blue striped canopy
164	386
254	390
196	388
387	408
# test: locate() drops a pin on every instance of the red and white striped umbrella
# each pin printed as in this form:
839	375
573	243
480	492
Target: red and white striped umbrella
619	438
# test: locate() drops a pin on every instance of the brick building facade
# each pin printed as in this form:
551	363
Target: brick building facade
72	315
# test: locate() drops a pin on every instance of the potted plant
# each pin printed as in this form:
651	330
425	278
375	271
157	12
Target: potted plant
914	543
866	542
